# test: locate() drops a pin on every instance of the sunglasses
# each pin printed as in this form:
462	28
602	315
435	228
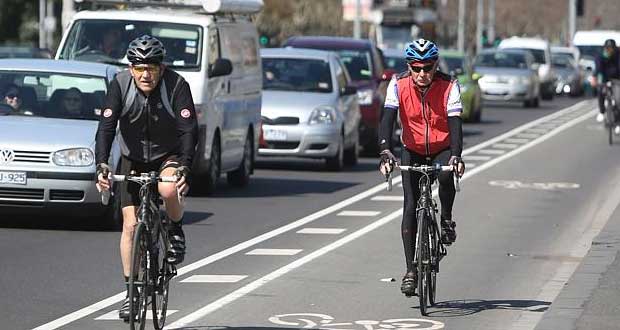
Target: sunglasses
427	68
150	68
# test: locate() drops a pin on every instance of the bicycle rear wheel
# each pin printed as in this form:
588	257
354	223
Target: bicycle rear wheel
434	262
161	278
423	260
610	121
138	279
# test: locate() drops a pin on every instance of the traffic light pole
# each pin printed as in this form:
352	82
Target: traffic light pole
572	20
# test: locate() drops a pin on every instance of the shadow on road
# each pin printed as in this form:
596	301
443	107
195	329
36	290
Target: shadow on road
313	165
456	308
52	222
214	327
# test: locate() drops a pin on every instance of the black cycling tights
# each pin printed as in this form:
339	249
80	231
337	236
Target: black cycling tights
411	189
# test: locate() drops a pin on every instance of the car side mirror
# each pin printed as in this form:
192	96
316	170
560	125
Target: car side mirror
387	74
221	67
348	90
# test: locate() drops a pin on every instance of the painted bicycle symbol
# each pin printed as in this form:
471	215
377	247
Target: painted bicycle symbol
327	322
514	184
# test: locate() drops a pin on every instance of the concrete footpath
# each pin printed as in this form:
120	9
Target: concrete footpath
591	298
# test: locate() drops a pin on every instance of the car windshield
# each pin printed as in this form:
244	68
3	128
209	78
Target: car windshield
299	75
53	95
502	60
396	63
593	51
454	63
106	41
358	63
539	54
562	61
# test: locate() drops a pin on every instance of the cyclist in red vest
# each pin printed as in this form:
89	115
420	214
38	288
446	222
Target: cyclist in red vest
428	104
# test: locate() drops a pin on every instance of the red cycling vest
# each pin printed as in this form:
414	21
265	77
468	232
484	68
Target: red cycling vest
424	117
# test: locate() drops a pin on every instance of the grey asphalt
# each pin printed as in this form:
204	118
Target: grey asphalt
53	269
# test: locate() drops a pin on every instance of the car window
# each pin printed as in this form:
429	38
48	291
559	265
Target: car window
341	78
539	54
106	41
358	63
396	63
301	75
502	60
562	61
455	64
54	95
213	46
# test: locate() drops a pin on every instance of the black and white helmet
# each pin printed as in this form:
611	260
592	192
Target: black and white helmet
146	50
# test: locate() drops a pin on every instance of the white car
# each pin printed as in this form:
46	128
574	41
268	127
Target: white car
541	51
47	160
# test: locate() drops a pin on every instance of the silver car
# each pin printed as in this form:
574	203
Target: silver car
508	75
48	122
309	107
570	76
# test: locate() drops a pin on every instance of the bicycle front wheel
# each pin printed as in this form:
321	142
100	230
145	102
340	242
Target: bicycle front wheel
423	260
434	262
162	276
138	279
610	120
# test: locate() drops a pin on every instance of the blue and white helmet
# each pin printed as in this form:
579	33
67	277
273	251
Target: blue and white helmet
421	50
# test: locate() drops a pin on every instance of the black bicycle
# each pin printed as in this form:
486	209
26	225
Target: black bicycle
150	273
429	250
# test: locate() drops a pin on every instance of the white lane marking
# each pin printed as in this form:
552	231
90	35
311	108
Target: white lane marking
492	151
515	140
358	213
83	312
322	231
274	252
113	315
382	198
200	313
528	136
468	158
514	184
601	214
214	278
537	130
505	145
471	165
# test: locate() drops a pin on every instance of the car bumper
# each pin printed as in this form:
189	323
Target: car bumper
313	141
74	194
506	92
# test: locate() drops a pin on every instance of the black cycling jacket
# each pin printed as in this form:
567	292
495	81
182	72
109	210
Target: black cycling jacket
608	67
164	123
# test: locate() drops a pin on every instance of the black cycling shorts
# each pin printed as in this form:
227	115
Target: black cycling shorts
130	191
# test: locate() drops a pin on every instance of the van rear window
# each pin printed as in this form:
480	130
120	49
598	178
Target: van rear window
107	40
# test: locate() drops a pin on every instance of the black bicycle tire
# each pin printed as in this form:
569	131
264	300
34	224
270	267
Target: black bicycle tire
423	255
434	260
138	257
162	284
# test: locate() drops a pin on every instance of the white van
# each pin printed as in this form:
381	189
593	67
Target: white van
542	58
590	43
214	46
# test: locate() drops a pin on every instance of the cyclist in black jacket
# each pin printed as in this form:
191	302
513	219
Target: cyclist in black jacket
607	68
154	110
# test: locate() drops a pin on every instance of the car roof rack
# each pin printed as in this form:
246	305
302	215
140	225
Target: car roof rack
209	6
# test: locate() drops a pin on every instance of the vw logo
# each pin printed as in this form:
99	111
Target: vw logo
6	156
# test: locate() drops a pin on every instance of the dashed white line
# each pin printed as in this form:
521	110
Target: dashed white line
214	279
358	213
274	252
515	140
468	158
492	151
322	231
382	198
505	145
528	136
470	165
113	315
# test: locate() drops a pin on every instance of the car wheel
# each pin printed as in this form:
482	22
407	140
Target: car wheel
535	102
351	155
241	176
336	163
548	94
213	170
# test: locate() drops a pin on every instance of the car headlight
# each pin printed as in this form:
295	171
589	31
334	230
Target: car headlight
74	157
364	96
322	115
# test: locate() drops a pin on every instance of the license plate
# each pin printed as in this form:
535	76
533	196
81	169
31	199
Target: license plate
12	177
274	135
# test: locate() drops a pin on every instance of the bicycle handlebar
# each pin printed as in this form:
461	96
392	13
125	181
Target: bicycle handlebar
426	169
141	178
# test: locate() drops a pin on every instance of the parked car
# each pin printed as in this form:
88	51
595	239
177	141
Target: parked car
394	60
365	65
570	75
47	147
541	51
216	52
309	107
458	65
508	75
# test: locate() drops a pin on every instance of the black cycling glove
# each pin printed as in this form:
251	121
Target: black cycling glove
102	169
182	171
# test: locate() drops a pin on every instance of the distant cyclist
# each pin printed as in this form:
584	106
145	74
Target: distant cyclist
154	110
607	68
428	103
